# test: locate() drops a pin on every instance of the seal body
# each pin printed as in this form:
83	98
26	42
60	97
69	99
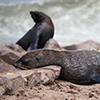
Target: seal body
80	67
42	31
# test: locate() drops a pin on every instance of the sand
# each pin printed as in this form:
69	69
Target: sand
60	90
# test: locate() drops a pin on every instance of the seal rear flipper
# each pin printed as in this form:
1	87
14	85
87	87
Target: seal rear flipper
96	78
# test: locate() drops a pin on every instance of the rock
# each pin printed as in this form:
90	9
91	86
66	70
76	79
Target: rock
89	45
5	67
98	49
53	44
56	69
45	75
2	90
10	52
10	82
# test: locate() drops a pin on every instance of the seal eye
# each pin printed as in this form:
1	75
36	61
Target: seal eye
25	62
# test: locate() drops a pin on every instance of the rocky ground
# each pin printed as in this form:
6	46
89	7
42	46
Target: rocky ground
38	84
60	90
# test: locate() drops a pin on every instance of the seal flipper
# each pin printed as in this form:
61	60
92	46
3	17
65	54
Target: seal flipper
34	43
96	78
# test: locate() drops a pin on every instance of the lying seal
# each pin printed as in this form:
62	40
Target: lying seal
80	67
42	31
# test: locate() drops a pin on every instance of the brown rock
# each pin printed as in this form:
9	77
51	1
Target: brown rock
12	80
10	52
10	83
5	67
53	44
89	45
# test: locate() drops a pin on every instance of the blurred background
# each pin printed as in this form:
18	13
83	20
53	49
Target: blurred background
75	21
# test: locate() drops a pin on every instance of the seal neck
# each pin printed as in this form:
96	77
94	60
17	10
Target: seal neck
51	57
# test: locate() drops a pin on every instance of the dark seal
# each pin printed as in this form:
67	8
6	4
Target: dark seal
82	67
42	31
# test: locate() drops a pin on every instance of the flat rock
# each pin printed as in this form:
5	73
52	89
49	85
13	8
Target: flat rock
10	52
53	44
5	67
10	82
87	45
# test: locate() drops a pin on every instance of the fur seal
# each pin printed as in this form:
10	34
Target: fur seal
42	31
81	67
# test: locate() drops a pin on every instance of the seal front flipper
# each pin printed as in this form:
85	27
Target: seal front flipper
24	42
34	43
96	78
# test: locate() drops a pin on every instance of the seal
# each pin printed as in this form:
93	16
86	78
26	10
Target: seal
81	67
41	32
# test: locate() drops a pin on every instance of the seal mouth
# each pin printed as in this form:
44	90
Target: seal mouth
15	65
34	12
31	12
37	16
33	15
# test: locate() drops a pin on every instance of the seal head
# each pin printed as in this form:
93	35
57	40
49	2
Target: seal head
37	16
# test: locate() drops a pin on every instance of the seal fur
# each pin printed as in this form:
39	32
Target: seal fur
80	67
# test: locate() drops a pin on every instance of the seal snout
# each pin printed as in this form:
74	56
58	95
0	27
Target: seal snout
34	12
33	15
16	65
31	12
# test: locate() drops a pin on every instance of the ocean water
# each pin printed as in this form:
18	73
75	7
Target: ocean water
75	21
